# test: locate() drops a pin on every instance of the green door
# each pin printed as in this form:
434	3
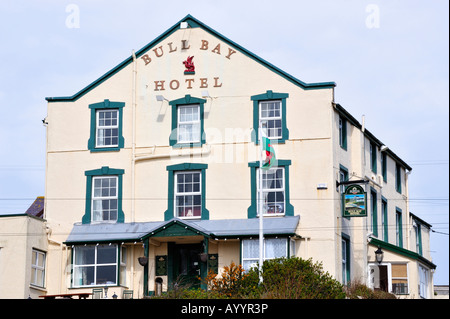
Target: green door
187	265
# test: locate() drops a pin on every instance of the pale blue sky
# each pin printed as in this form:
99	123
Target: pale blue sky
394	70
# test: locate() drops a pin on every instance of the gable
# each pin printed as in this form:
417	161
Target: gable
215	45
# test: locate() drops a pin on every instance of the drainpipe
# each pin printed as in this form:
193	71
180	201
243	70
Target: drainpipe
133	142
49	232
407	209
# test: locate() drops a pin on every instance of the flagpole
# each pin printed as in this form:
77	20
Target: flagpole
260	203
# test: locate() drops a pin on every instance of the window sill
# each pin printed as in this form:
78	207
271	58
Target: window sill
105	149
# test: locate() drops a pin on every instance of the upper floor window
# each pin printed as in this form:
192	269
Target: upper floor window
273	191
104	195
373	157
398	228
106	126
187	122
398	178
384	166
186	191
274	188
342	132
107	134
104	198
270	115
37	268
188	194
270	108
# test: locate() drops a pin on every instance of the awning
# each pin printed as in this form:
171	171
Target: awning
216	229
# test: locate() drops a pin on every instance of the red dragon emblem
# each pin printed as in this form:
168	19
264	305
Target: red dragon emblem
189	65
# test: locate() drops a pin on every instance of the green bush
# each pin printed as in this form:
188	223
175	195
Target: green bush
296	278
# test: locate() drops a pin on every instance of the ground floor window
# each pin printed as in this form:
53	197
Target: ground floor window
345	261
423	282
273	248
400	279
95	265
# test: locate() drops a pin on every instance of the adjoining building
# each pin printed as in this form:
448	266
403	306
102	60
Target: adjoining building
152	176
23	249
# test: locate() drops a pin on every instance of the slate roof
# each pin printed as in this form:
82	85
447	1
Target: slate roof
37	208
222	228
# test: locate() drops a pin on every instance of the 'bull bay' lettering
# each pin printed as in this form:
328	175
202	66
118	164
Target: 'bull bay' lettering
185	45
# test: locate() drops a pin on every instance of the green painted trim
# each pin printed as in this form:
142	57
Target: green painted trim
169	213
106	104
269	96
193	23
186	100
348	250
146	254
384	216
373	156
344	133
289	209
104	171
374	202
399	225
384	166
401	251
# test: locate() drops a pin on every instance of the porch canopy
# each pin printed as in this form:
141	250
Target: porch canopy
213	229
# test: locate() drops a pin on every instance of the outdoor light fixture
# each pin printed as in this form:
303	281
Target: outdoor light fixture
106	291
379	255
161	98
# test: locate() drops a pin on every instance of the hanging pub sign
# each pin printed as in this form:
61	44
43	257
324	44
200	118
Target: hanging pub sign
354	201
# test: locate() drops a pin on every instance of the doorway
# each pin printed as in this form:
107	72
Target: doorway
187	265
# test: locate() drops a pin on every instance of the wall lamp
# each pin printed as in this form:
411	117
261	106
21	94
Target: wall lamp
161	98
379	255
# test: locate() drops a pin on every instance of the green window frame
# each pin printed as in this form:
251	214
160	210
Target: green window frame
398	227
254	166
187	100
374	201
384	166
342	132
265	97
172	170
103	106
373	157
398	178
104	171
384	219
418	236
345	259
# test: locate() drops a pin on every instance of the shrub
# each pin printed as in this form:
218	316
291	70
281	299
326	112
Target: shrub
296	278
358	290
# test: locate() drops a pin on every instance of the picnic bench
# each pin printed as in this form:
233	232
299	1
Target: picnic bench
81	295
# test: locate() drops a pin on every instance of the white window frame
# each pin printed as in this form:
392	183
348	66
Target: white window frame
194	123
255	259
423	281
95	265
266	119
37	268
391	284
102	198
177	193
270	190
99	127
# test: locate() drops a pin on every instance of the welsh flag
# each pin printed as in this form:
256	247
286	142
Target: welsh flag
268	153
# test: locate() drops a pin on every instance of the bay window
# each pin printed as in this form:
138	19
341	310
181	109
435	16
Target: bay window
95	265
